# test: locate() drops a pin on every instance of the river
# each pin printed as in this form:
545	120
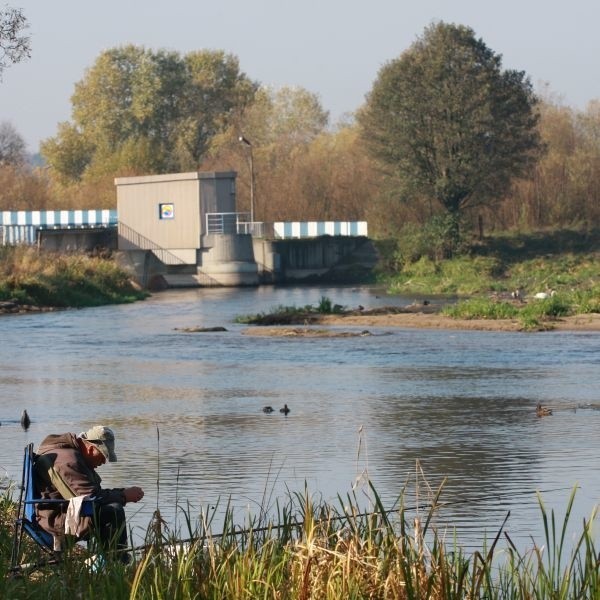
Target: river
402	407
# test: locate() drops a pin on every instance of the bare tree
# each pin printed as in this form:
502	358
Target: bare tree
14	46
12	146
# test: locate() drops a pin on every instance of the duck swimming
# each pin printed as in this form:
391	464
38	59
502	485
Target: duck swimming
267	409
542	411
285	410
25	420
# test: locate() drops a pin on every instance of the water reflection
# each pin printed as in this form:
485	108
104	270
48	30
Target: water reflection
187	407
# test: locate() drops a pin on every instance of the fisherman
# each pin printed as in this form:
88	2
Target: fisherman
66	469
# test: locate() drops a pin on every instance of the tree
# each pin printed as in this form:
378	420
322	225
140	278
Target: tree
12	146
139	111
449	123
14	46
280	124
564	187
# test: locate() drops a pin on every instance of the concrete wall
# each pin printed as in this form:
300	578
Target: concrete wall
327	258
71	240
239	260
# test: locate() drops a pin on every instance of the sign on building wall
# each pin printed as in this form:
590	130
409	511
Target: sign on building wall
166	210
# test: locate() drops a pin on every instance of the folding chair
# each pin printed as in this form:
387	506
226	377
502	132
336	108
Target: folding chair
26	521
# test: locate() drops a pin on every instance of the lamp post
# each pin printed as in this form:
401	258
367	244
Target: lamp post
245	141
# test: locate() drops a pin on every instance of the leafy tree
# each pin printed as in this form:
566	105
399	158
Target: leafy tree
139	111
69	153
12	146
449	123
14	46
218	92
280	123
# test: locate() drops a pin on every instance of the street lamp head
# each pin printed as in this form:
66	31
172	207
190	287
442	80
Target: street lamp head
244	140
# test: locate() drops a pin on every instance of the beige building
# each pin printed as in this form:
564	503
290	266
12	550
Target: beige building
188	221
174	212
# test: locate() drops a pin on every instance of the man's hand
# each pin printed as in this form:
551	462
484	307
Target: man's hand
133	494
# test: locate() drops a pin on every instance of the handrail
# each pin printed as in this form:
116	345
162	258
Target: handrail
232	222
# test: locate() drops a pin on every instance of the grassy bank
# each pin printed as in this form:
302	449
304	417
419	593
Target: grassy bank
495	267
313	550
488	273
30	277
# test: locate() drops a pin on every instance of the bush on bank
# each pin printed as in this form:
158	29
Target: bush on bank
29	276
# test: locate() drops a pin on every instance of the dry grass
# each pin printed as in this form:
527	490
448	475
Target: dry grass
315	550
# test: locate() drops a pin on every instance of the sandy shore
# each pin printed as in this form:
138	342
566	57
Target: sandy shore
589	322
422	320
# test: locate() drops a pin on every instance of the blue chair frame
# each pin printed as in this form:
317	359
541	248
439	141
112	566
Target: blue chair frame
26	520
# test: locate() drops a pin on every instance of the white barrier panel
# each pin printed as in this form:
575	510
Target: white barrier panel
20	226
310	229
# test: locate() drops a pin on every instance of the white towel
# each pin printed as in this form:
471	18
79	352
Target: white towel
72	516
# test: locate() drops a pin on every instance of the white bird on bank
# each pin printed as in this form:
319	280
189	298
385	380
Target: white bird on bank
544	295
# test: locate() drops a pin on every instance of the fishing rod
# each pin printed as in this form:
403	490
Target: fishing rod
296	524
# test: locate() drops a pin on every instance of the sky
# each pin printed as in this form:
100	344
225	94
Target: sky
333	48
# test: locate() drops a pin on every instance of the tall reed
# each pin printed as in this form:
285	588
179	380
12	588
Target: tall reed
312	549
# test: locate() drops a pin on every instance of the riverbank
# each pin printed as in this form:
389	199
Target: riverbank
39	281
421	320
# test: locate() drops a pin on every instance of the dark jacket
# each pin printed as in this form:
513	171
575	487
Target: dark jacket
61	472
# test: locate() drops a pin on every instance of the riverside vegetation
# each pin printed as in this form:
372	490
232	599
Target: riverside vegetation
496	279
31	278
486	276
483	275
317	550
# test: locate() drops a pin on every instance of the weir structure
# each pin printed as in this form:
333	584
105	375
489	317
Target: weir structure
184	230
190	223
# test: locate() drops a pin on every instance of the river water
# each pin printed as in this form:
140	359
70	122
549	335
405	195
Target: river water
402	407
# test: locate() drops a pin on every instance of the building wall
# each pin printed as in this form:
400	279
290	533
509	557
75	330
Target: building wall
139	204
169	211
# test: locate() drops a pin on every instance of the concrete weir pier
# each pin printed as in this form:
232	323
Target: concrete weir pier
228	259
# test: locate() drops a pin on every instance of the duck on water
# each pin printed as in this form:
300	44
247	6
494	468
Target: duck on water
25	420
542	411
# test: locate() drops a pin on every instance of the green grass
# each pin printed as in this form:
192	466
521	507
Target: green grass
481	308
283	315
318	550
467	275
39	278
536	314
565	261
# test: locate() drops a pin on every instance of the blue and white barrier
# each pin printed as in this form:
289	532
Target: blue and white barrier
21	226
308	229
59	218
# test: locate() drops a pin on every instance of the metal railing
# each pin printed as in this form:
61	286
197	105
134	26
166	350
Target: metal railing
233	222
